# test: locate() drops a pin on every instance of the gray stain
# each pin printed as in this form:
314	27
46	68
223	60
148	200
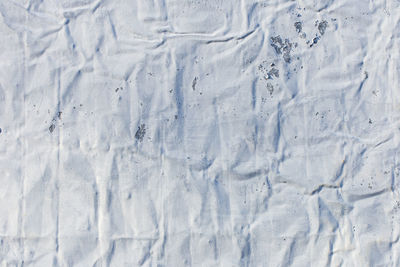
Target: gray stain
194	83
322	27
273	72
270	88
298	26
51	128
281	46
140	132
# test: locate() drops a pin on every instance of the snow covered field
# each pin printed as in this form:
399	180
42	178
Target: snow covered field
199	133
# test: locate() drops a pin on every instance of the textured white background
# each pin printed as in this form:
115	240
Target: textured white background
199	133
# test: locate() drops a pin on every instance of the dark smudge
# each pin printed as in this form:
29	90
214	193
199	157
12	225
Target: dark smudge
299	27
140	132
282	47
51	128
322	27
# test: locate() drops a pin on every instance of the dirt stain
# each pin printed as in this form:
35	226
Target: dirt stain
282	47
299	27
141	131
194	83
51	128
322	27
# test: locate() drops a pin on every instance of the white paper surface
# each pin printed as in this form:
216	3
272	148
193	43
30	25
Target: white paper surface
199	133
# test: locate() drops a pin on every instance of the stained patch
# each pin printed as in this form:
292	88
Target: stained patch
273	72
270	88
141	131
299	26
194	83
51	128
322	27
315	41
282	47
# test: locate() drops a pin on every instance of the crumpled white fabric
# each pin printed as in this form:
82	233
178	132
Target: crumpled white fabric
199	133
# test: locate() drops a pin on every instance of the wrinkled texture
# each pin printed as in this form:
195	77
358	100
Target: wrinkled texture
199	133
